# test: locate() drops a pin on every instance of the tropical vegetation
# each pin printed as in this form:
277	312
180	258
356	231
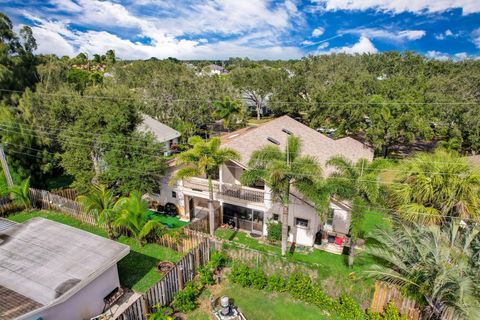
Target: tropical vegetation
204	158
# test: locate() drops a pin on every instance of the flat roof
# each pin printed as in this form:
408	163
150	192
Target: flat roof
47	262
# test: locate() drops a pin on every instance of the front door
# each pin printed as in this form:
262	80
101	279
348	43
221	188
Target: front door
257	222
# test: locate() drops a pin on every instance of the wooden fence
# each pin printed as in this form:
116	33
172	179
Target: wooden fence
385	293
163	292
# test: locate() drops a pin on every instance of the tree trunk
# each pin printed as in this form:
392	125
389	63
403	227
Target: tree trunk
96	167
351	254
211	211
258	109
284	229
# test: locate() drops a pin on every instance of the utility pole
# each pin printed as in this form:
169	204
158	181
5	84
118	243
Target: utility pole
6	170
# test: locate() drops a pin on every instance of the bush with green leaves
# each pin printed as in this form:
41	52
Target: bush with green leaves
205	276
274	231
348	308
184	300
276	283
160	313
258	279
390	312
217	260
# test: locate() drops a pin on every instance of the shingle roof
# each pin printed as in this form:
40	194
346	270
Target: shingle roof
14	304
315	144
48	262
161	131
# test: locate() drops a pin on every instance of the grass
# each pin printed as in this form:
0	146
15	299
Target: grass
332	270
170	222
137	270
259	304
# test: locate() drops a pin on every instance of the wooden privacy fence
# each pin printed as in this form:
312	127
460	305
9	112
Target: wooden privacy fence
385	293
163	292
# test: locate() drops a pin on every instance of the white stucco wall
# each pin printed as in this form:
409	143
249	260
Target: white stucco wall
86	303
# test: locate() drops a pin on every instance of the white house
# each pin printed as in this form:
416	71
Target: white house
52	271
162	133
252	207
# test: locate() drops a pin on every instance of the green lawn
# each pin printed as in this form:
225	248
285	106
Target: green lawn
332	270
137	270
260	304
171	222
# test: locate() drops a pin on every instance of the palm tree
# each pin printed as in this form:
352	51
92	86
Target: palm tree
19	193
281	171
357	182
434	264
229	110
133	214
433	186
99	202
204	158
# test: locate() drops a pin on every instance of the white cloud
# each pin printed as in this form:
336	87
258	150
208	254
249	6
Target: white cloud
437	55
364	45
323	45
396	36
475	36
318	32
256	29
461	55
446	34
399	6
307	43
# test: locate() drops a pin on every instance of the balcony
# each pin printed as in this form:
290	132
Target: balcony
226	191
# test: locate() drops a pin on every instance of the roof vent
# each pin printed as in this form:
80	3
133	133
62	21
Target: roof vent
273	141
287	131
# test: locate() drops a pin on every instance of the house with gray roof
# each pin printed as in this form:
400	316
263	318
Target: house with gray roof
162	133
52	271
251	208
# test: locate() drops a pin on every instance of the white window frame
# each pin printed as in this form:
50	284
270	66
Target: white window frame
301	225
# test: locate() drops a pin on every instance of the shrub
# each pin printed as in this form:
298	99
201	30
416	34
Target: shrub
274	231
160	313
217	260
184	300
390	312
258	279
276	283
205	276
348	308
241	274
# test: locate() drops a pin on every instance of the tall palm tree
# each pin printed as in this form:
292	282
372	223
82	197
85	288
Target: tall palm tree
99	202
133	214
204	158
357	182
281	171
229	110
432	186
434	264
19	193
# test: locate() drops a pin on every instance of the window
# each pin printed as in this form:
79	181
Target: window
299	222
174	194
331	213
276	217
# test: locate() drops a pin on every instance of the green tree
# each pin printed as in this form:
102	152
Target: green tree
434	265
282	170
230	111
110	57
133	214
99	202
204	159
19	193
432	187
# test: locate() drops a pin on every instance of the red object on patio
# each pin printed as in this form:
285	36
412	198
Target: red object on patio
339	240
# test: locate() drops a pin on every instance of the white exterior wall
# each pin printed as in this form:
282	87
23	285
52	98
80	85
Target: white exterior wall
86	303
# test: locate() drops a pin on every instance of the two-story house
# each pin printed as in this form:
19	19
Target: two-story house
251	208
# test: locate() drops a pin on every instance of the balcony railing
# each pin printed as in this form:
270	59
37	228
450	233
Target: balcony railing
226	190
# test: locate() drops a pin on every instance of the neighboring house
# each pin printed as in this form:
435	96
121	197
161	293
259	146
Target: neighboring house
163	133
213	69
52	271
252	207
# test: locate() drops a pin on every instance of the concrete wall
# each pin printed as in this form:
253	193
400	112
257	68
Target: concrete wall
86	303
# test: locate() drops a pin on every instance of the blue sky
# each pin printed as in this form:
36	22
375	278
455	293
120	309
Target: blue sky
258	29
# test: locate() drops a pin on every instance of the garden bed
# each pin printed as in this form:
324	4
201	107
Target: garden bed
137	271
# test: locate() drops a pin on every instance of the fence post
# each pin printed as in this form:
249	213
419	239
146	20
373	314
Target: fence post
180	277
